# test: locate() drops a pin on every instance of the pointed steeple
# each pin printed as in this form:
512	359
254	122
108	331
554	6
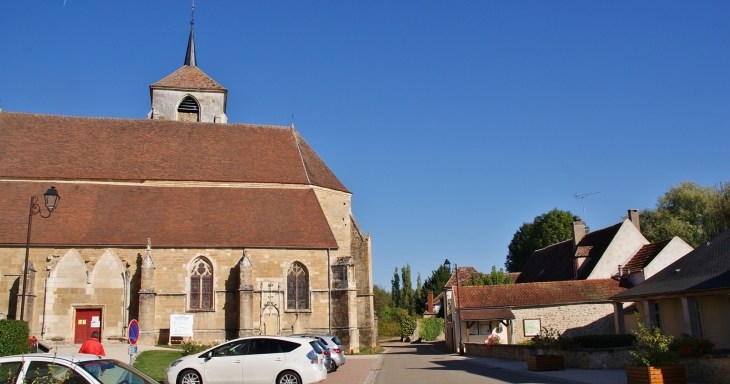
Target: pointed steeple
190	54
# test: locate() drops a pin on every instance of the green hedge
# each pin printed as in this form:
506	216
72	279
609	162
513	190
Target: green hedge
14	336
598	341
431	328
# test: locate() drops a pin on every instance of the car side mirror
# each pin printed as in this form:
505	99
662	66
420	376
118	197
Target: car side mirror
209	355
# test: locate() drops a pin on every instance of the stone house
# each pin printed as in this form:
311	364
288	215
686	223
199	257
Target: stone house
689	296
241	226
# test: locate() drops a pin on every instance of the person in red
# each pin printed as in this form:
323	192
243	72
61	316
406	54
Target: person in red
93	345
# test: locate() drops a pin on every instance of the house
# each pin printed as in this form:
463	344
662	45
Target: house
241	228
689	296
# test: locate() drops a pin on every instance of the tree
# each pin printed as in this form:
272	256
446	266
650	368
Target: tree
395	290
549	228
407	290
434	283
381	300
495	277
417	294
690	211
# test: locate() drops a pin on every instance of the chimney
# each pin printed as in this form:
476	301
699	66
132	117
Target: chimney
579	230
634	217
429	303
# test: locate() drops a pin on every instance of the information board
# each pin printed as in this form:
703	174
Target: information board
181	325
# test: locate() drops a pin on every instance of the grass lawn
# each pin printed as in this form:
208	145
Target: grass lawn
154	363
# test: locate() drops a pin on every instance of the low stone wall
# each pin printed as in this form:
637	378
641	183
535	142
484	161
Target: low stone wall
708	369
583	358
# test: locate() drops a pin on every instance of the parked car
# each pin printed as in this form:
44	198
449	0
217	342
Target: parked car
255	360
45	368
321	349
337	353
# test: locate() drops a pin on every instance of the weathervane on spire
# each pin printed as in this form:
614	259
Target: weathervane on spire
192	15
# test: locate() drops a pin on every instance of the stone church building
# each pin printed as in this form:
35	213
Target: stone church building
242	226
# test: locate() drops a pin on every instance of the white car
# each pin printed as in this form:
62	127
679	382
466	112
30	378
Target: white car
47	368
250	360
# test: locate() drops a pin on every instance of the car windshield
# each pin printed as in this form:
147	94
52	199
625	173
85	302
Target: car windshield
115	372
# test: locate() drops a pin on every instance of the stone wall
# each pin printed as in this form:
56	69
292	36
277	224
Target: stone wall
570	320
584	358
708	369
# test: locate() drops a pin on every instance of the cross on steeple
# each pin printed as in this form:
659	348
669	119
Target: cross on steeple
190	54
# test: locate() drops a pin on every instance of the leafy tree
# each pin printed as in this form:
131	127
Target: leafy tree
407	296
434	283
418	293
549	228
493	278
395	290
690	211
381	300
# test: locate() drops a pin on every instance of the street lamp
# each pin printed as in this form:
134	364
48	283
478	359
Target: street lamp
447	264
51	199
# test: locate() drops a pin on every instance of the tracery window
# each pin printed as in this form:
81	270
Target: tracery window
201	285
297	286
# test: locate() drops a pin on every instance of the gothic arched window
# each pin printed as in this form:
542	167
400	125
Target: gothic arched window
188	110
201	284
297	286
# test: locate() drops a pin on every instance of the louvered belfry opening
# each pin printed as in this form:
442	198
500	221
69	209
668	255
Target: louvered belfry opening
188	110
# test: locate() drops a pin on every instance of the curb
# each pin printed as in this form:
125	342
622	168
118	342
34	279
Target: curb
375	369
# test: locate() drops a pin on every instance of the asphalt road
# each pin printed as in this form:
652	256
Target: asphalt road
419	363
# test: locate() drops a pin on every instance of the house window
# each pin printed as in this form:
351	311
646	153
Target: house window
201	285
188	110
657	316
297	286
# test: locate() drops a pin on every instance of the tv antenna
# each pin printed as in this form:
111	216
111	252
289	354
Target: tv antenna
582	198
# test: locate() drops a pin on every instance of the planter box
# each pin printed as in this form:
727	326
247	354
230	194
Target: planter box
545	363
670	374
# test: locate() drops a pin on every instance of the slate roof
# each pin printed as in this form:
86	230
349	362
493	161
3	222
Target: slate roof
82	148
555	262
486	314
188	77
126	215
538	294
644	256
706	268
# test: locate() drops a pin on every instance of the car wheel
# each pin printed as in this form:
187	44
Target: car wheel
288	377
189	377
331	367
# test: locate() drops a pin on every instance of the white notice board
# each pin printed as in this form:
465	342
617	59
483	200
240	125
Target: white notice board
181	325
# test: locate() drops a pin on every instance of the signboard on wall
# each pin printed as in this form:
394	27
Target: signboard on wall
532	327
181	325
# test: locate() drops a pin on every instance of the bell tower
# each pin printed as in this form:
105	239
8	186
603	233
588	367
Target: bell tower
188	94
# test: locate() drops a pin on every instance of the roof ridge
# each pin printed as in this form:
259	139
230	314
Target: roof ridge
301	156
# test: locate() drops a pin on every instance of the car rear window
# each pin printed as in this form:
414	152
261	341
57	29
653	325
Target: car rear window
315	346
288	346
336	340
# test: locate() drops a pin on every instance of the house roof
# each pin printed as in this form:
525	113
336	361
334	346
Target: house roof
486	314
555	262
644	256
83	148
537	294
188	77
705	268
464	273
126	215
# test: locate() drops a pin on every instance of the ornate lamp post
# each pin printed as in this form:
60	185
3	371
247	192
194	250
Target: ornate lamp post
51	199
447	264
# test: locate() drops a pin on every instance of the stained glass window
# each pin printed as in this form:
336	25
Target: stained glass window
201	285
297	286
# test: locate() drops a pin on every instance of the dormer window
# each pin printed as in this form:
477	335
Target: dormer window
188	110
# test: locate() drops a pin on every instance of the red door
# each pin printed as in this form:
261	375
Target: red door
87	321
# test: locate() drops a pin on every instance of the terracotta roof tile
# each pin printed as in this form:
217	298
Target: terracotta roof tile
105	215
541	293
188	78
644	256
83	148
464	275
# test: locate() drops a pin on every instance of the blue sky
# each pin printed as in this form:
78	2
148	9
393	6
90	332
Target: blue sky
452	122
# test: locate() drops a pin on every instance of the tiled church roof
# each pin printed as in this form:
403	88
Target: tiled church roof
81	148
126	215
535	294
188	77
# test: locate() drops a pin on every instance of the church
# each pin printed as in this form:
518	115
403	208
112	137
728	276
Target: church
241	227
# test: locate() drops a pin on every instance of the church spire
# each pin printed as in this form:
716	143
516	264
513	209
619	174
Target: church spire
190	54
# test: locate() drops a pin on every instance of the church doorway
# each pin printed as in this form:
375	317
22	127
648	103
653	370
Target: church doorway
87	320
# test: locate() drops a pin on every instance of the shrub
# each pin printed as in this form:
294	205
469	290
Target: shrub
652	349
389	328
407	326
13	337
190	347
688	346
431	328
548	340
491	340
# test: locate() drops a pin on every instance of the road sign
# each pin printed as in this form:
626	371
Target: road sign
132	349
133	332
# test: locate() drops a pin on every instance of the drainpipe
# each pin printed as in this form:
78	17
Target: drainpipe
329	294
